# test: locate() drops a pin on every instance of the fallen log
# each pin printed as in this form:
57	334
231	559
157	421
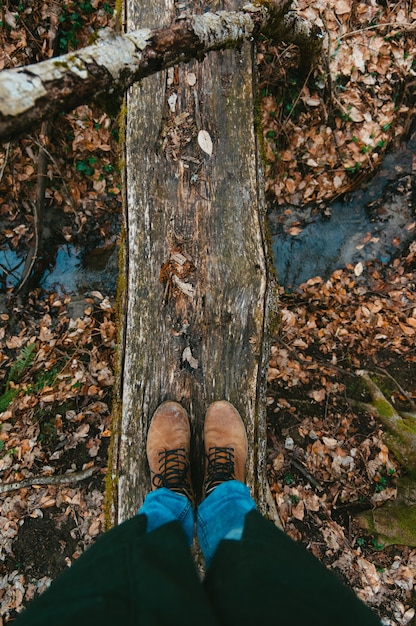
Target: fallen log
106	69
196	283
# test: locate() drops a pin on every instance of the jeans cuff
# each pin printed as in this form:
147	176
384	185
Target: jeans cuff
222	516
163	506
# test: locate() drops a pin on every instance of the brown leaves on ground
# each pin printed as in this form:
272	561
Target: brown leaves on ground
323	130
56	354
83	179
328	459
56	423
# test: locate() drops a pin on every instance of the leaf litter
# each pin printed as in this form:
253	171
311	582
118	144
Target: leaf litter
56	431
337	463
323	134
324	131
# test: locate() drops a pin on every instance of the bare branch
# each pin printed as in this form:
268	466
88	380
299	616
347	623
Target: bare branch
36	92
63	479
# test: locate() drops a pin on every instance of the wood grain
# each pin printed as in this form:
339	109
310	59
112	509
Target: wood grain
197	294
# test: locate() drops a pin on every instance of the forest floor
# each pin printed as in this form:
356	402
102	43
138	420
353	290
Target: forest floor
325	133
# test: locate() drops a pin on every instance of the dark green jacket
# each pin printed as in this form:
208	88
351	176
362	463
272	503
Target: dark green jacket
132	578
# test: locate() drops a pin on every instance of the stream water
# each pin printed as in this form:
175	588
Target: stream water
374	222
72	275
70	268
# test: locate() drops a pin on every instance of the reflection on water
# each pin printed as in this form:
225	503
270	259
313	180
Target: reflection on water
73	275
372	223
69	272
11	268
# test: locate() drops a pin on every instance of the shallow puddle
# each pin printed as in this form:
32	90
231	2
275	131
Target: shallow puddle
72	275
69	273
374	222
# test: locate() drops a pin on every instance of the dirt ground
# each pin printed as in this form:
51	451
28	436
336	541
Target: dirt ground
328	459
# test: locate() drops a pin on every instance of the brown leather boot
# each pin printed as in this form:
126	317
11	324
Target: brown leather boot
168	442
225	445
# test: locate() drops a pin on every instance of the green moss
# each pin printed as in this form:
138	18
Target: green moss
386	385
119	10
111	479
395	521
400	434
402	442
111	483
93	38
122	120
61	64
275	315
357	389
384	408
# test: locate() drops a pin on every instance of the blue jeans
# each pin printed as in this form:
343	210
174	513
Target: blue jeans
220	516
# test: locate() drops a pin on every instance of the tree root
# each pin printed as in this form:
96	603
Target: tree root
400	426
395	521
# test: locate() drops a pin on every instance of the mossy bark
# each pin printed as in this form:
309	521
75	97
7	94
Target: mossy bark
400	428
395	521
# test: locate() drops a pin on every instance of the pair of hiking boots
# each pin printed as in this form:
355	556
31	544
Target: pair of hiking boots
168	447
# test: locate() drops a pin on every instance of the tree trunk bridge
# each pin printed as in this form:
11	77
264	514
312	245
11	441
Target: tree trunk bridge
196	282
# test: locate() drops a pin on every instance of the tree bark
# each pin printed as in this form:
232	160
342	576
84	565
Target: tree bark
105	70
196	282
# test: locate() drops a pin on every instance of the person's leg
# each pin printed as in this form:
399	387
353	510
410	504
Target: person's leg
168	443
141	572
127	577
221	515
164	506
259	575
227	499
268	578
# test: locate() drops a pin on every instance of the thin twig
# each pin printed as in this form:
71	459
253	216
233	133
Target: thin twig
299	467
39	206
38	209
63	479
70	199
294	105
403	27
272	511
326	365
399	387
6	156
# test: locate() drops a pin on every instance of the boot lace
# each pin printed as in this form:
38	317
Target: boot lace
173	472
220	467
